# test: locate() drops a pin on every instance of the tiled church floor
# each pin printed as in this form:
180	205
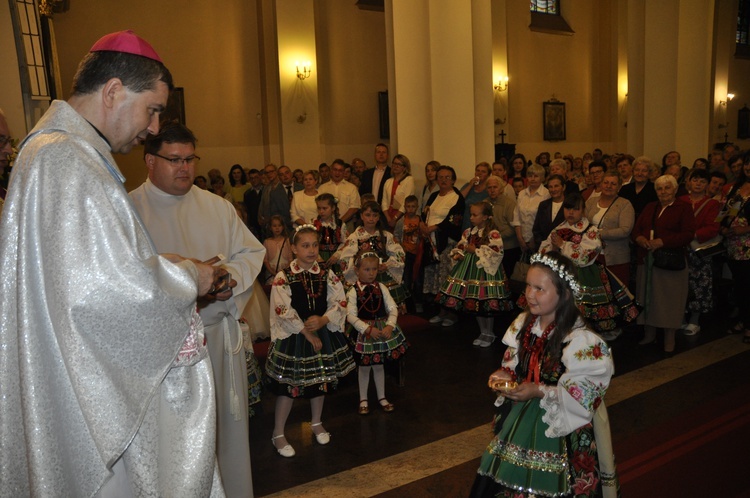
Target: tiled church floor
429	446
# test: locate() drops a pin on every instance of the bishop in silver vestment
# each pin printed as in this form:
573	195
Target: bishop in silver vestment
105	384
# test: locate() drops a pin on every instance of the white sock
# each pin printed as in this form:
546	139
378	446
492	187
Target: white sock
364	381
378	372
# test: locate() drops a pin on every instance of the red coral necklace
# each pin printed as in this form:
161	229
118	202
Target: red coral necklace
535	351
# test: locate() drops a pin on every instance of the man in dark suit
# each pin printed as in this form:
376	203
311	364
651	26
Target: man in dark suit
281	195
252	202
544	222
373	180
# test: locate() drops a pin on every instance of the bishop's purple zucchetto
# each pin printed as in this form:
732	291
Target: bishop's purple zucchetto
127	42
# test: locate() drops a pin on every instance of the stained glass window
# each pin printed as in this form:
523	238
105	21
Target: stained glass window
545	6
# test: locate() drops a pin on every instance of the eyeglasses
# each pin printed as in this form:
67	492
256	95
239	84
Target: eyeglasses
394	163
5	140
177	161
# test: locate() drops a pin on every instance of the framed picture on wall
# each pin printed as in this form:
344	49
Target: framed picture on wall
383	115
175	110
553	112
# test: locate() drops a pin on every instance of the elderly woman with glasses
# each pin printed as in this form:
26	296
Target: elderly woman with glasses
662	234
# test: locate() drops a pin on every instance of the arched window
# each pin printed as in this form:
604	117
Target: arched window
546	18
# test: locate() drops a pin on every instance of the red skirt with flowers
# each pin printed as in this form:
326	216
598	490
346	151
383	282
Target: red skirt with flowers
472	290
604	300
368	351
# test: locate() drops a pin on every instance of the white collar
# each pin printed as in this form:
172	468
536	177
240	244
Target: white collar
329	224
296	268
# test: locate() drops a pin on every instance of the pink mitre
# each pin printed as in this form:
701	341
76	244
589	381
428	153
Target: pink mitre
127	42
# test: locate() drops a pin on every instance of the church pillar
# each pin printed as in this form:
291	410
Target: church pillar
440	82
298	98
669	77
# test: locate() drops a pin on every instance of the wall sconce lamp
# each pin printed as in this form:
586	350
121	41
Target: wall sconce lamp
730	96
502	84
305	72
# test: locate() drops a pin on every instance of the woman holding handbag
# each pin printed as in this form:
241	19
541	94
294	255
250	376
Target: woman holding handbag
662	233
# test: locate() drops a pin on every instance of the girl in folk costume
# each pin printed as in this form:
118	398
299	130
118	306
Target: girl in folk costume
477	283
371	237
332	231
603	297
373	332
278	250
309	352
552	430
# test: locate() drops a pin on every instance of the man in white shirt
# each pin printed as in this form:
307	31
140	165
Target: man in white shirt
184	219
345	192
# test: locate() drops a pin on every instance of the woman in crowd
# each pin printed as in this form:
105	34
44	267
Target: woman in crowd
502	216
500	168
441	230
615	217
700	163
431	185
734	166
304	209
299	175
397	188
736	232
577	173
640	191
518	167
662	232
527	206
475	190
700	278
560	167
217	187
550	212
238	184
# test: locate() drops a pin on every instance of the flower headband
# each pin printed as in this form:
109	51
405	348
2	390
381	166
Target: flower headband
561	271
306	226
367	254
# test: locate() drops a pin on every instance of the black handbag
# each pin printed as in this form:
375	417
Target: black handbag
668	258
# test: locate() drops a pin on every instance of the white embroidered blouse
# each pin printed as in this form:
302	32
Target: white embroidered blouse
489	256
284	318
588	370
396	255
582	246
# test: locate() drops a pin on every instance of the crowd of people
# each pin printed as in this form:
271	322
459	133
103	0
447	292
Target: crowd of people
122	314
526	205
